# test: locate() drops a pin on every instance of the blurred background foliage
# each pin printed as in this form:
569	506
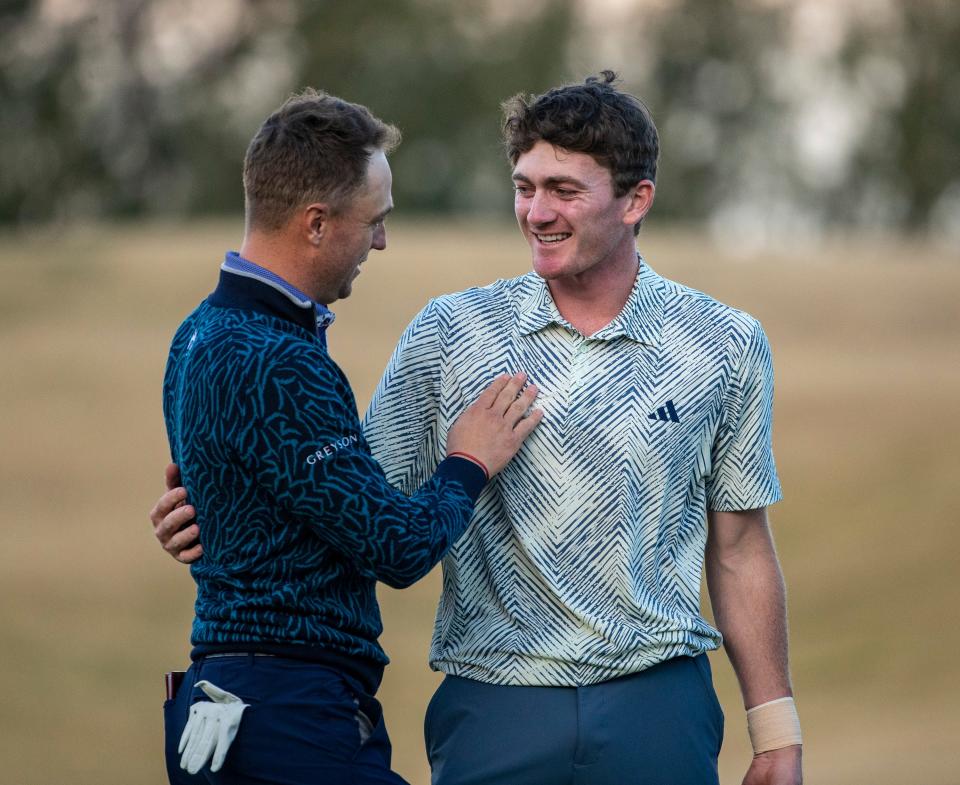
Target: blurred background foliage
780	119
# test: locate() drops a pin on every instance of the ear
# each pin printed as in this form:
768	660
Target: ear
315	222
640	201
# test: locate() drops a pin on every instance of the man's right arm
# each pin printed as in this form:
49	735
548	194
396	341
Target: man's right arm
308	455
342	493
174	520
400	427
403	423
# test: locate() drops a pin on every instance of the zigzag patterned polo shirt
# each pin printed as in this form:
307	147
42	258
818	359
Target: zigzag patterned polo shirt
583	558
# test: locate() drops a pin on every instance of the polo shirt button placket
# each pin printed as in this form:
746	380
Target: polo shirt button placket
580	359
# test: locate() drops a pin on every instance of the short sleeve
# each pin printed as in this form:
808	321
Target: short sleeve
402	422
743	474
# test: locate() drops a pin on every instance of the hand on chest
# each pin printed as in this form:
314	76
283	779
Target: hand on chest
603	400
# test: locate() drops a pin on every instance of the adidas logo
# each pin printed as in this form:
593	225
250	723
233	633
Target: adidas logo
666	413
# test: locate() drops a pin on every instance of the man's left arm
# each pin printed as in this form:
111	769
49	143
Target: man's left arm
749	605
743	574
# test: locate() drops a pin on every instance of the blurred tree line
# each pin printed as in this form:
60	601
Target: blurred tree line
776	116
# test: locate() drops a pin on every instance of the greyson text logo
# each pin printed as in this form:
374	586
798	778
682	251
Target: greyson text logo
329	449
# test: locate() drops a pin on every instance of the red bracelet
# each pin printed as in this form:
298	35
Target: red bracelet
470	457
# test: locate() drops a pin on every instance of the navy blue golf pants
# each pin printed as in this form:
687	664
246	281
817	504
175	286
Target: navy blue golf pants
662	726
306	724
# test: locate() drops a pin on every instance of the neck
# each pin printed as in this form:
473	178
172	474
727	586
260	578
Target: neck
274	252
593	299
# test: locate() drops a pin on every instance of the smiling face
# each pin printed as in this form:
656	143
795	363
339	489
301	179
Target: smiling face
566	208
354	231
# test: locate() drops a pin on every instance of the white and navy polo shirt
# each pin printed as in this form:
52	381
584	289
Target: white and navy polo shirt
583	559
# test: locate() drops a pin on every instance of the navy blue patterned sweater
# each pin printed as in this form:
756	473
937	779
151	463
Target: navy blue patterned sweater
296	518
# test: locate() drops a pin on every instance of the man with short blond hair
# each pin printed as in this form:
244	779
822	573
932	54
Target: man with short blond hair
296	519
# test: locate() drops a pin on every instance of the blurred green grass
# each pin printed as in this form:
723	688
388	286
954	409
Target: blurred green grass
866	335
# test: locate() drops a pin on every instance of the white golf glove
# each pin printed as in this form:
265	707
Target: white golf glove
210	729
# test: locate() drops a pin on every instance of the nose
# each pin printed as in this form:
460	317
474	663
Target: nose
379	241
540	210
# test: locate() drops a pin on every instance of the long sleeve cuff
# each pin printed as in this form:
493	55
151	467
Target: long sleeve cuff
464	471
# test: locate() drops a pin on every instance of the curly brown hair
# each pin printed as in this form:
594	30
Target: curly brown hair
596	118
314	148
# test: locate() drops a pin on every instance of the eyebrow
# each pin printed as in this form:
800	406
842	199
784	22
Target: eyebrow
552	182
383	215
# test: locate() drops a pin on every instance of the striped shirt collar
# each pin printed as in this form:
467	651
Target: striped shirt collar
641	318
234	263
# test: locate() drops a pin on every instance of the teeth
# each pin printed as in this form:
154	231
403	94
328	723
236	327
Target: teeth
552	238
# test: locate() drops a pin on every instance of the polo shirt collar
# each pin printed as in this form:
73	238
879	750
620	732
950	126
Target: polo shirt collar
537	309
641	318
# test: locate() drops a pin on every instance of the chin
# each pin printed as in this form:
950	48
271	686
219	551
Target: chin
549	268
551	263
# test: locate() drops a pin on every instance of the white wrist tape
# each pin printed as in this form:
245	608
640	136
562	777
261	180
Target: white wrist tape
774	725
